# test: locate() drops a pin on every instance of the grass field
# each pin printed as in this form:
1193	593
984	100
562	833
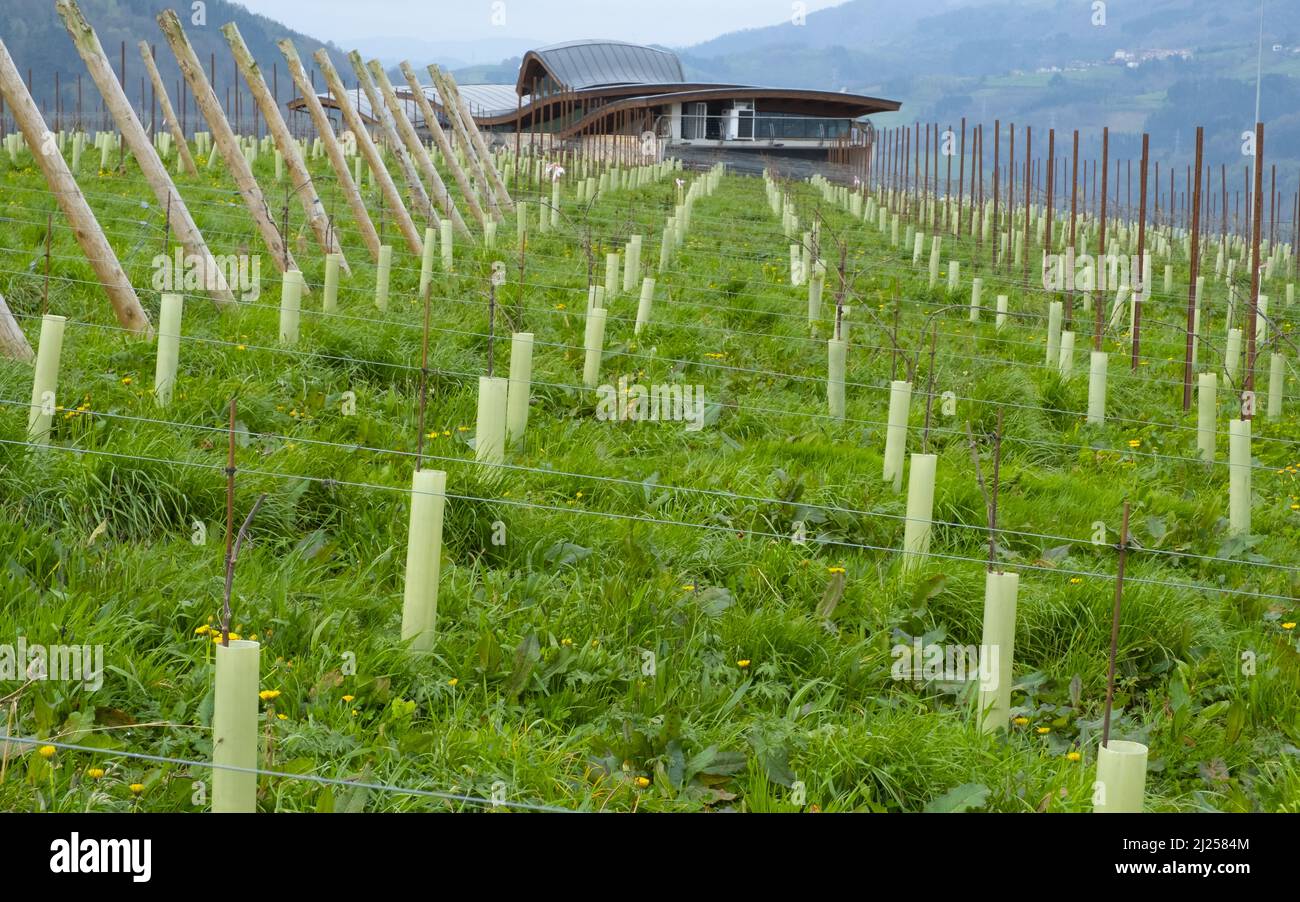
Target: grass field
625	622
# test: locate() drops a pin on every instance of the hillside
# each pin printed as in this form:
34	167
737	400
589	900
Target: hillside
1044	63
37	40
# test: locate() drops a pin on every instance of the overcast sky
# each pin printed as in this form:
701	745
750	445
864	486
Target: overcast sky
672	22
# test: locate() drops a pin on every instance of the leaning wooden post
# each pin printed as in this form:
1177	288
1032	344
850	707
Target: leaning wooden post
374	162
419	196
332	149
69	197
452	108
440	138
416	147
300	178
169	114
224	136
146	155
13	343
468	127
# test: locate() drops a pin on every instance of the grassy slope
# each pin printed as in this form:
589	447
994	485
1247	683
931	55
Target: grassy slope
572	720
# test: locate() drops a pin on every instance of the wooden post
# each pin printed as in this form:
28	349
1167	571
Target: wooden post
155	173
1194	273
69	197
476	141
1257	209
332	150
1114	625
440	138
1140	285
13	343
206	100
388	190
169	114
1029	194
388	127
1074	222
1051	185
300	178
406	131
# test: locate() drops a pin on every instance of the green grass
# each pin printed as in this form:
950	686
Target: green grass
538	678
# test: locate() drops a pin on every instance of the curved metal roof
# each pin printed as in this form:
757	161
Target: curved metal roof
592	64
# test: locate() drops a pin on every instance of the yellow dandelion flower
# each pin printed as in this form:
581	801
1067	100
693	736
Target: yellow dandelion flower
1075	580
1135	443
743	663
1073	756
348	698
269	695
95	773
454	681
1020	721
46	751
126	380
641	782
282	716
202	630
566	642
1289	625
136	788
835	570
1042	731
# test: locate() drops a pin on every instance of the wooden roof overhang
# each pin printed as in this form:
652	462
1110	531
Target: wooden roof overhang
602	103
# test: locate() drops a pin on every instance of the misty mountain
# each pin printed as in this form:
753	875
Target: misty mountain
37	40
1049	64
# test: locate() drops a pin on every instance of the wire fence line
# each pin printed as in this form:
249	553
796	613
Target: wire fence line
658	486
879	267
655	521
704	365
441	795
708	527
